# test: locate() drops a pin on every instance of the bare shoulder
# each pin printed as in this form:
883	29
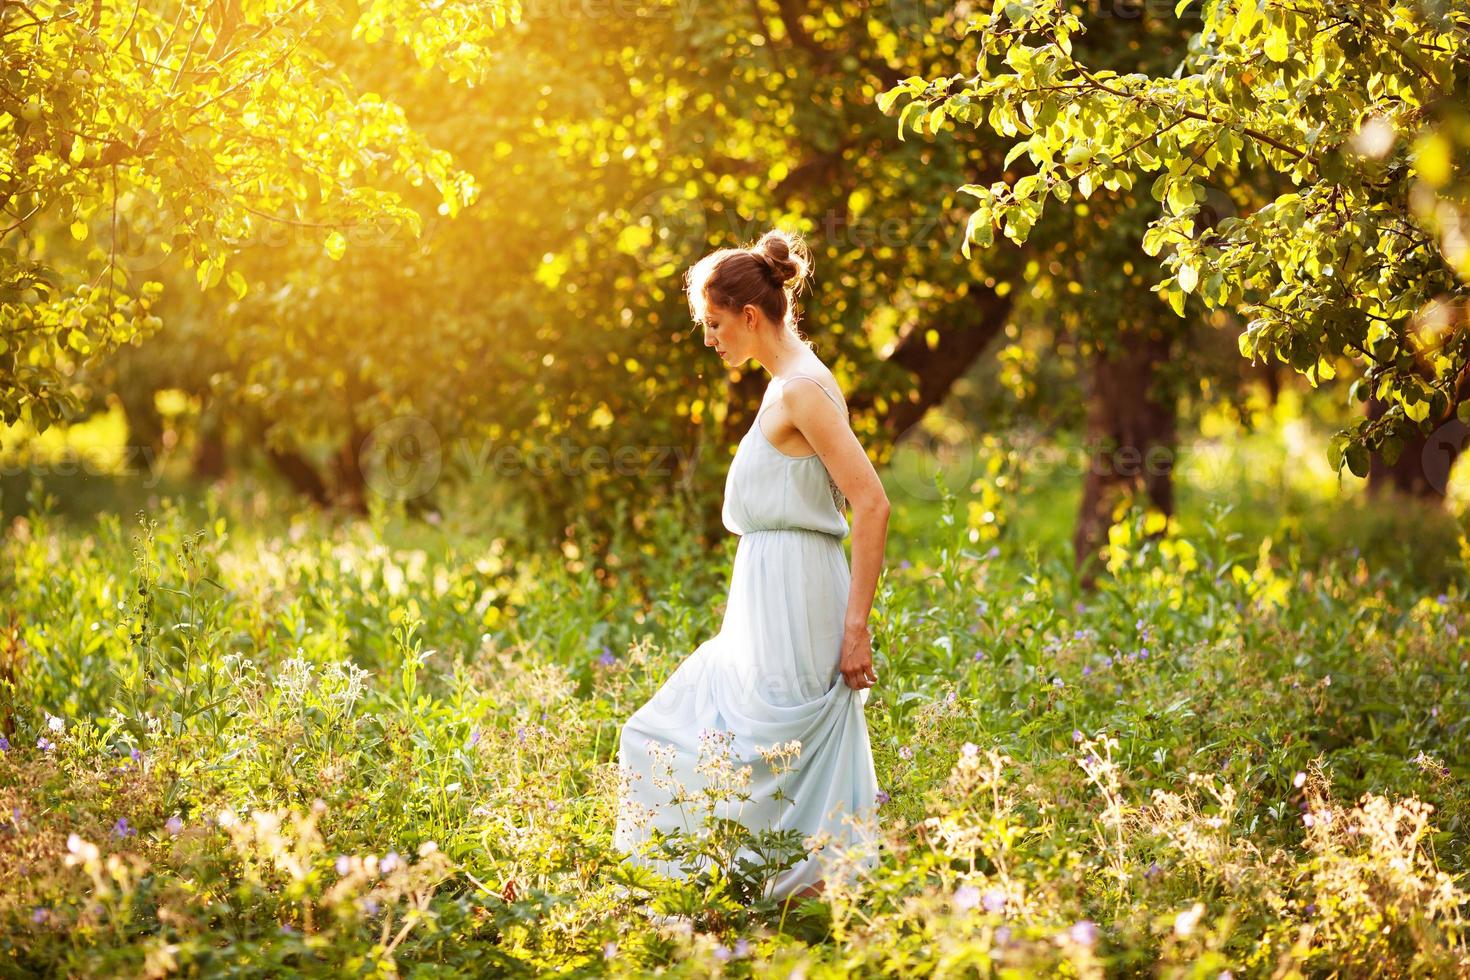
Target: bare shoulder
812	386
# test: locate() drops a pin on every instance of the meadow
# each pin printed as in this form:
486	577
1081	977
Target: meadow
248	739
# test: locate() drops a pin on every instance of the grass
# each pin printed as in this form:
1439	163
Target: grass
248	740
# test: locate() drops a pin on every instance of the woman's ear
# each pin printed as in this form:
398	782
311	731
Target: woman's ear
751	317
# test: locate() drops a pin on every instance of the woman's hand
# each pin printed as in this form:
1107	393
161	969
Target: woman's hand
857	658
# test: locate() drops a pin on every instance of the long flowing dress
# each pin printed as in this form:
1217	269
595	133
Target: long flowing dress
768	678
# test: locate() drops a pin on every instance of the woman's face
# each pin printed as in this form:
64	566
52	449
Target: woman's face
724	330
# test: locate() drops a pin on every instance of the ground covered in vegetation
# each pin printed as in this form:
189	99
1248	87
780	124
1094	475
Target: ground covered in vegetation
243	740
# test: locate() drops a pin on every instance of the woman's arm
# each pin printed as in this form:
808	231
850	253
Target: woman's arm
834	442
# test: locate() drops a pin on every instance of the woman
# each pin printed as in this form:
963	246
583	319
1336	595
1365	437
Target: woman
764	692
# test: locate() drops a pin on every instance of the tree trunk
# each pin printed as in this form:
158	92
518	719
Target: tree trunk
300	474
1131	439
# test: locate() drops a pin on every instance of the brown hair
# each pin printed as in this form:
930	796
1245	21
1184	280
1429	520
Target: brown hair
766	275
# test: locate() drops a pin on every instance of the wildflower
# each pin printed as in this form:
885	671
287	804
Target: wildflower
995	901
474	738
1076	735
1086	670
949	698
993	552
607	659
1057	682
905	752
173	825
969	750
742	946
1311	908
979	654
344	864
722	952
121	828
1107	661
1185	921
609	950
1003	935
521	732
1143	653
135	755
41	914
390	861
370	906
966	897
4	744
881	798
45	744
1153	870
905	564
54	723
1298	779
1084	933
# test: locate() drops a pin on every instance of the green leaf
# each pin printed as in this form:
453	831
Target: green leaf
1188	276
1357	459
1276	47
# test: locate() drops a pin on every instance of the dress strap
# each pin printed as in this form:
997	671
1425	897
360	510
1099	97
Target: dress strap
804	377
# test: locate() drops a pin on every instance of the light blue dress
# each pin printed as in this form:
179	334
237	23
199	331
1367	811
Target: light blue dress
767	678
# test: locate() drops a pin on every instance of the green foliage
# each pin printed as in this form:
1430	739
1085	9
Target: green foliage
381	747
207	129
1356	107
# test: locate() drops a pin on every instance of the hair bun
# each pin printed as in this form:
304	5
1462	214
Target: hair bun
785	256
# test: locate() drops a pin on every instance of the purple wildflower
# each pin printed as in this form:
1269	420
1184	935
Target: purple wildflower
722	952
994	901
1084	933
905	564
121	828
344	864
993	552
370	906
4	744
607	659
135	755
609	950
949	698
1057	682
966	897
979	654
174	825
40	915
389	862
1003	935
1086	670
1143	653
474	738
45	744
742	946
1153	870
905	752
881	798
1076	735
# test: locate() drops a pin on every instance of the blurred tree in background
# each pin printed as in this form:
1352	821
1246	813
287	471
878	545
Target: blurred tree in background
1358	264
460	257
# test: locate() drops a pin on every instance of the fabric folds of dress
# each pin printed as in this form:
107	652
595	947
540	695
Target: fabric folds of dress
766	683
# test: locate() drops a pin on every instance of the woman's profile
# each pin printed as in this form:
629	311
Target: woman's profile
781	687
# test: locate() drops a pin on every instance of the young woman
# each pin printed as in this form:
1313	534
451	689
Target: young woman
781	687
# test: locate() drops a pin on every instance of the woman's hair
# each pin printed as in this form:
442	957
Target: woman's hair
766	275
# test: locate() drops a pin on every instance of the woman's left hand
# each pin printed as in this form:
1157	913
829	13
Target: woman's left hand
857	658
